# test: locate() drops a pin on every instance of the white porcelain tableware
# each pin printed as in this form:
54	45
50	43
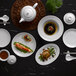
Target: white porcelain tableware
69	38
19	38
8	54
51	59
69	18
28	13
5	37
12	59
60	28
5	18
68	57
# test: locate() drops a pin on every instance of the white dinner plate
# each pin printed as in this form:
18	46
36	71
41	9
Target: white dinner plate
4	37
69	38
50	60
19	38
55	36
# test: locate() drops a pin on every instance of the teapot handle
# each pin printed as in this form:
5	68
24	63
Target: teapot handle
35	5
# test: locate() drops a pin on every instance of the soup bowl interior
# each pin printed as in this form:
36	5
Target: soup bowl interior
56	26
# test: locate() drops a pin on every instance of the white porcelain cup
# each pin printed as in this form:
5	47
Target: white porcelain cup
7	53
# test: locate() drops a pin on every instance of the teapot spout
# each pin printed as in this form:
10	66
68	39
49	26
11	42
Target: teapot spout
35	5
21	20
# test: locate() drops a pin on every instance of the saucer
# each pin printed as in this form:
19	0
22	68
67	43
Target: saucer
55	36
69	38
5	37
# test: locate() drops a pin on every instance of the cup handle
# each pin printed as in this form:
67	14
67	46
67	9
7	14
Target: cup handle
35	5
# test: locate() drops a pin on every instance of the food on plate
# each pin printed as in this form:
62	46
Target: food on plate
4	55
50	28
47	53
27	38
23	48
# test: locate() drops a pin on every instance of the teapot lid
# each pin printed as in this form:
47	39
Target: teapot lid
69	18
12	59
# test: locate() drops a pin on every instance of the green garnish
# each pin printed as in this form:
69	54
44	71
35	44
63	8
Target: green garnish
41	58
53	5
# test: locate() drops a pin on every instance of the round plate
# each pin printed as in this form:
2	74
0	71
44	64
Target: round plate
50	60
4	37
55	36
69	38
19	38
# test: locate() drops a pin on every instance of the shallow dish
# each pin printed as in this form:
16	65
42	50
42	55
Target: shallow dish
5	37
50	60
69	38
55	36
19	38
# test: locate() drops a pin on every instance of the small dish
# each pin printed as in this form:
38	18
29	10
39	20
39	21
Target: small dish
50	60
5	37
19	38
5	55
59	26
69	38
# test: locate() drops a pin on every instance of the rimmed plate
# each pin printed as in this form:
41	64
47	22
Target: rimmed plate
69	38
19	38
5	37
50	60
55	36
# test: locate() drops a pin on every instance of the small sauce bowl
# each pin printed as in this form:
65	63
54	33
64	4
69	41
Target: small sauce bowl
4	55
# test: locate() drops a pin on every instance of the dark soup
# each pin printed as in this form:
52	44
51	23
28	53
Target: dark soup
50	28
4	55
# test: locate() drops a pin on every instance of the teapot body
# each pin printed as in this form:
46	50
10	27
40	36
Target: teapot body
28	13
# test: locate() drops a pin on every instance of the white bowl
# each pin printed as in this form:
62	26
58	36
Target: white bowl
55	36
8	55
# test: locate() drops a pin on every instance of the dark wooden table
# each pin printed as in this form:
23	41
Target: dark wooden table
28	66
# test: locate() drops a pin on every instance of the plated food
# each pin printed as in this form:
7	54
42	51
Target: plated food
27	37
50	28
5	37
23	44
69	38
47	54
23	48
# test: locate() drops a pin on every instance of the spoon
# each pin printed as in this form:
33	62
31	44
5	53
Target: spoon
5	18
68	57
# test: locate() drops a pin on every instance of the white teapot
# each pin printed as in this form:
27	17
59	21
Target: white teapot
28	13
